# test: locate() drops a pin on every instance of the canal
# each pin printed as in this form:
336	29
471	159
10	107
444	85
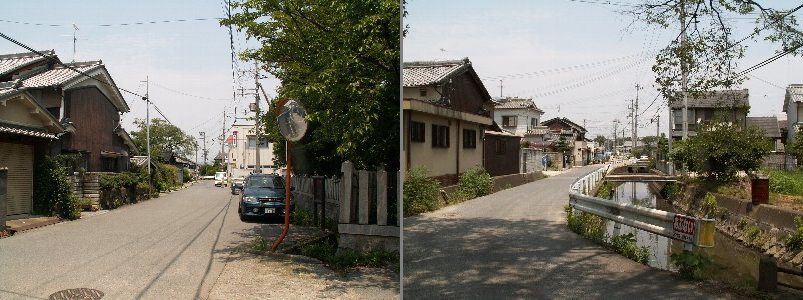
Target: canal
732	262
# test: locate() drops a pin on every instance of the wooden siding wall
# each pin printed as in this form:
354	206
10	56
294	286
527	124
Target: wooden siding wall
465	95
505	163
94	118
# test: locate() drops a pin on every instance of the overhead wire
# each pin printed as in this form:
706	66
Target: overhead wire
113	24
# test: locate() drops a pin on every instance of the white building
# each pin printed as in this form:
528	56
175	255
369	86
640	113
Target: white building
242	149
517	115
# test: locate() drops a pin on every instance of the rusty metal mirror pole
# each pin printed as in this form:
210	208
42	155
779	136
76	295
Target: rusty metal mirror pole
287	211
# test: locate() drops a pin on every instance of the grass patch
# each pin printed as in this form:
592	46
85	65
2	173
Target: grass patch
794	241
786	182
343	260
606	190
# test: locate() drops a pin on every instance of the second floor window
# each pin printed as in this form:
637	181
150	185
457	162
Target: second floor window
422	92
469	138
440	136
509	121
533	122
417	132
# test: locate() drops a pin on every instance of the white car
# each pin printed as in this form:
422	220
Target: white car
644	157
220	178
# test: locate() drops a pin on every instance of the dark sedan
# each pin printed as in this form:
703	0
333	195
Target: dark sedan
263	196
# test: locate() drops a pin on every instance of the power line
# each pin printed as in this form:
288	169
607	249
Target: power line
113	25
570	68
613	3
187	94
57	61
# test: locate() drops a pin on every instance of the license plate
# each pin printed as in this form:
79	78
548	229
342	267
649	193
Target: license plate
270	210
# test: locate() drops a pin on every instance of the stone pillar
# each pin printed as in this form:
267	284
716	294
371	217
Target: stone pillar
381	197
365	197
347	206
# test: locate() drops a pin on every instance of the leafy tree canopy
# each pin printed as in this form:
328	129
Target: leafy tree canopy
713	47
340	59
165	138
720	150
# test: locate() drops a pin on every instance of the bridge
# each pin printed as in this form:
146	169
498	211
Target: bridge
640	177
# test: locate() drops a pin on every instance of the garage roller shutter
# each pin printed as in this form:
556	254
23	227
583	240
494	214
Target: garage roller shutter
18	159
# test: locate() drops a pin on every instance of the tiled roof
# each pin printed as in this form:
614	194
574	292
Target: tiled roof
423	73
59	75
34	132
783	124
728	98
794	92
11	62
512	103
566	121
768	124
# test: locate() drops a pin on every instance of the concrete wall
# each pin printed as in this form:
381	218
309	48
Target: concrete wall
415	93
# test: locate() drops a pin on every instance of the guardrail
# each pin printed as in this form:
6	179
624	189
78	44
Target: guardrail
692	230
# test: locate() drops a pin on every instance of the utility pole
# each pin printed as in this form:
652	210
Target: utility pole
223	144
635	119
258	165
615	129
206	152
684	70
500	88
148	127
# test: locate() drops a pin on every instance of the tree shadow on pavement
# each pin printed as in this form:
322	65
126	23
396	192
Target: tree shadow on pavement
495	258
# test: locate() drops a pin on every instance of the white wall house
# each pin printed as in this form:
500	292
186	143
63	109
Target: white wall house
242	149
793	107
517	115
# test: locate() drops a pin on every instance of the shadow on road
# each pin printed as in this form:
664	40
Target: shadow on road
495	258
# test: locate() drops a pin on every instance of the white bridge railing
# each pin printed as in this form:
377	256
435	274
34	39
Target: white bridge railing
692	230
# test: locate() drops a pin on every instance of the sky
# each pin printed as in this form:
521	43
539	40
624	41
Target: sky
178	58
577	60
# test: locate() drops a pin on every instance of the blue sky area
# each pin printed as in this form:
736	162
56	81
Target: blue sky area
513	37
192	57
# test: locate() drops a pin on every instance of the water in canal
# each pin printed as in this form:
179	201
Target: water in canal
732	262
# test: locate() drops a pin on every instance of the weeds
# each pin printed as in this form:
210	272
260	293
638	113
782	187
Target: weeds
420	192
794	241
691	265
593	227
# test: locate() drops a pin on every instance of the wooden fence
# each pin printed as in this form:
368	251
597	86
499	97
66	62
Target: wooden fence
369	205
304	195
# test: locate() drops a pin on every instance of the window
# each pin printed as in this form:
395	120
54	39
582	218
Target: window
417	132
422	92
678	116
533	122
500	146
252	142
440	136
509	121
109	164
469	138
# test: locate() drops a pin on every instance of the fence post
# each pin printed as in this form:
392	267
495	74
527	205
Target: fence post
381	197
365	200
346	206
767	274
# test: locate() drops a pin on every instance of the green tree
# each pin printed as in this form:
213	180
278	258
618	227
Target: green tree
720	150
796	147
340	59
600	140
165	138
563	146
710	55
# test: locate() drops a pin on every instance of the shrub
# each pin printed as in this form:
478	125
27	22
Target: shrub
709	206
720	150
794	241
670	190
691	265
606	190
166	177
626	245
186	175
53	189
420	192
475	182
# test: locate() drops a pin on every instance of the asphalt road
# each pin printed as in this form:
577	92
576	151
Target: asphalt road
515	244
171	247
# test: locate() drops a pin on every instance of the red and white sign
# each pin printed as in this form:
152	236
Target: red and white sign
683	228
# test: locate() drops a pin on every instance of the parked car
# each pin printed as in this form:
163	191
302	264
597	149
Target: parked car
237	185
208	177
220	178
263	196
